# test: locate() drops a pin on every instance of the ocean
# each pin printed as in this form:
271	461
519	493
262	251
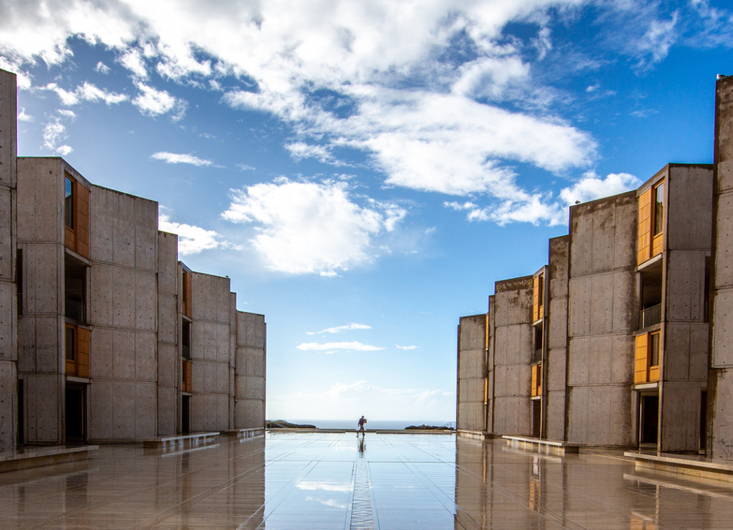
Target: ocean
371	424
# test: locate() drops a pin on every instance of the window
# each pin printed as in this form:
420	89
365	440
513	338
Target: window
658	195
69	203
19	280
77	351
186	340
654	349
70	343
76	216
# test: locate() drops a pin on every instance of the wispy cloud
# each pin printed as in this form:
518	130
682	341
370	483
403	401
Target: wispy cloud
339	329
54	133
349	346
24	116
153	102
86	92
547	208
405	347
102	68
179	158
310	227
192	239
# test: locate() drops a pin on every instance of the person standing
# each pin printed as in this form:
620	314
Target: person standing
362	422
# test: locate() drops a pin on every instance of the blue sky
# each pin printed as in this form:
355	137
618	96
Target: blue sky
364	171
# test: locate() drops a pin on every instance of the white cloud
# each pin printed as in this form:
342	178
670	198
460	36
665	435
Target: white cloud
405	347
593	186
152	102
133	60
322	154
538	208
66	113
339	329
350	346
23	116
86	92
174	158
308	227
53	134
245	167
191	239
102	68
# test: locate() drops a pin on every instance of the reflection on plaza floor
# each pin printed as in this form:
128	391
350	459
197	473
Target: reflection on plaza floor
301	481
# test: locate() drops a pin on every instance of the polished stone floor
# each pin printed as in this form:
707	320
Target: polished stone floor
323	481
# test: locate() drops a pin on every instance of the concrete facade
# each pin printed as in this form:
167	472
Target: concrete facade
720	382
8	322
510	355
94	304
601	302
473	372
622	337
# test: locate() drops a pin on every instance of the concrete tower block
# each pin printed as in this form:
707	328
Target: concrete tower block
8	131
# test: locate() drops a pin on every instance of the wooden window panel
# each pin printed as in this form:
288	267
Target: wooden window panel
657	244
82	352
187	291
81	207
186	385
645	226
535	299
486	390
641	366
534	380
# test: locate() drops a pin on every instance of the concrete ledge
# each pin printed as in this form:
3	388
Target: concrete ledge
246	433
186	439
43	456
475	435
691	466
545	447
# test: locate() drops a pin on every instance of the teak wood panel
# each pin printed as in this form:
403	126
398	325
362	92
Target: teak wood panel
645	226
641	359
81	207
186	309
82	352
536	298
186	376
77	238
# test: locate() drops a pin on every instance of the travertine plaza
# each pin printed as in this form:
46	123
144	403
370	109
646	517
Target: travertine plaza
132	390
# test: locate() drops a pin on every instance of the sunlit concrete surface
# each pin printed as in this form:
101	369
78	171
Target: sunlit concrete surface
322	481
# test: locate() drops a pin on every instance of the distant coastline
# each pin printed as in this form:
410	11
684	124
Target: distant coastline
371	424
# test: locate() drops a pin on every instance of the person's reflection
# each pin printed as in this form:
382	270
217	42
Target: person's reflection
362	447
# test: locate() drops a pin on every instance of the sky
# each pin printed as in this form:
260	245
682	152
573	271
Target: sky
365	170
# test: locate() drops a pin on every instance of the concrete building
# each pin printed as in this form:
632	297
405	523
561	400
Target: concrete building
627	338
105	336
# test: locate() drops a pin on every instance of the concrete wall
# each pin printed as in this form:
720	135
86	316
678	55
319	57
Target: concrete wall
720	386
41	324
511	356
251	369
556	320
8	317
472	373
210	352
602	317
688	236
123	398
168	334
